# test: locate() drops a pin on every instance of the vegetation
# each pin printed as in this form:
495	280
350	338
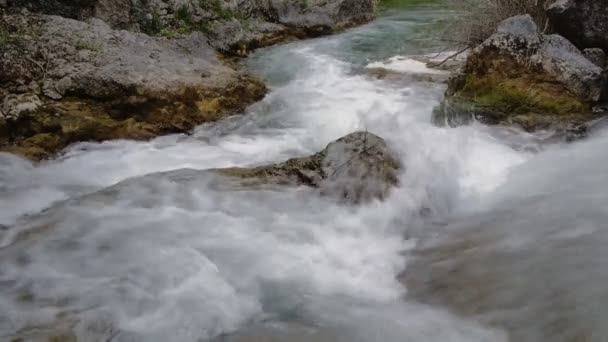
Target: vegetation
183	21
477	19
5	38
86	45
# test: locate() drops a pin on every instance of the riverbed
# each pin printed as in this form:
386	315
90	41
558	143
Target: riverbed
126	241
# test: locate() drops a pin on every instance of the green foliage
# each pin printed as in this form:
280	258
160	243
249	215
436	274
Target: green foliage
184	15
8	38
221	11
5	38
156	24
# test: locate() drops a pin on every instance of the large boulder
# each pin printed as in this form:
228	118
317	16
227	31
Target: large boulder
520	76
65	81
355	168
234	27
583	22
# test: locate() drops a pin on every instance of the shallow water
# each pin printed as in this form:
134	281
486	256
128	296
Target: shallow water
135	244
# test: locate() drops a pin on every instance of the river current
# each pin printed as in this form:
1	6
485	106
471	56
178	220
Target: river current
126	241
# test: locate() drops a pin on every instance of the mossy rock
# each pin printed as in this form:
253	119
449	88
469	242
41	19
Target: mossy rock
532	100
43	133
521	77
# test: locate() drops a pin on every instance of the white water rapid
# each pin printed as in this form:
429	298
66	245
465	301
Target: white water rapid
100	242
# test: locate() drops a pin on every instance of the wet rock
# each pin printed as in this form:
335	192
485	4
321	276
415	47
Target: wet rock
356	168
101	83
522	77
597	56
583	22
15	106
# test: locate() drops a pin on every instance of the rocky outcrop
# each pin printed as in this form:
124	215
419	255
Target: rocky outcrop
520	76
583	22
356	168
64	81
597	56
234	27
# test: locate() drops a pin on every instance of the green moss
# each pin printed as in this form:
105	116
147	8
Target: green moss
56	125
184	15
7	39
520	96
85	45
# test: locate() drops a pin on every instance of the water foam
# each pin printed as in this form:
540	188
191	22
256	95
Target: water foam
172	256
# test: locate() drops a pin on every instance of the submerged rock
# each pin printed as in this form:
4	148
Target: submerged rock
534	268
355	168
98	83
520	76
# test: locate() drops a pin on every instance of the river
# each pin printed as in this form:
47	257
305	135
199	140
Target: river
124	241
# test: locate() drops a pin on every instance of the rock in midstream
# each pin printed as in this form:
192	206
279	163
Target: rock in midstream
355	168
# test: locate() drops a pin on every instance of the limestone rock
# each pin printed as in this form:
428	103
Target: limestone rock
355	168
13	106
101	83
521	77
234	27
562	60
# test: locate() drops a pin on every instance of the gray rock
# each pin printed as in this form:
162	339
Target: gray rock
516	33
567	64
233	25
554	85
13	106
3	3
355	168
583	22
114	84
518	37
112	63
596	55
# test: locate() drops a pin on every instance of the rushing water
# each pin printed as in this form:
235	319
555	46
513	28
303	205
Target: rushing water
126	241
